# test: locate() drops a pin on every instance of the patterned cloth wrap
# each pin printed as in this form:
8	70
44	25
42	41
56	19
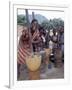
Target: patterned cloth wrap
24	50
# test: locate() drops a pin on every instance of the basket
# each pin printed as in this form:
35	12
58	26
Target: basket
47	54
33	62
48	51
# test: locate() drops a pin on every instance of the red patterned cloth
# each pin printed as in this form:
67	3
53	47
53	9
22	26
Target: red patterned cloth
37	41
24	50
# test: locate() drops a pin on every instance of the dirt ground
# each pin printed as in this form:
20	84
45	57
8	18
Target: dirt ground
45	73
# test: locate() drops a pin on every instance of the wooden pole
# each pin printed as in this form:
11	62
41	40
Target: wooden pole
33	17
27	17
28	23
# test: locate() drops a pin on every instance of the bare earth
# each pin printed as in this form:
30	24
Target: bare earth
45	73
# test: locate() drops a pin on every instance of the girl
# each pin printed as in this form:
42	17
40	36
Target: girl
36	39
24	48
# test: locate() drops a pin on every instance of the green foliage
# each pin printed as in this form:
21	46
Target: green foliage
53	23
21	20
47	24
